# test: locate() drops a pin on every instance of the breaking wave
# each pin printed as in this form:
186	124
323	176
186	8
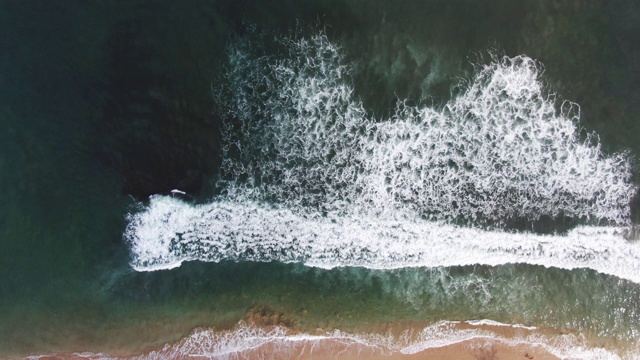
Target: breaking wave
308	177
170	231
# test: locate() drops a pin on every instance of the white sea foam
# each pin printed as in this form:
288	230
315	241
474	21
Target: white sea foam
311	179
282	343
170	231
298	139
497	323
499	150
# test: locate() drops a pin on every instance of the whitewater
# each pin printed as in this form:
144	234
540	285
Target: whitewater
171	231
310	178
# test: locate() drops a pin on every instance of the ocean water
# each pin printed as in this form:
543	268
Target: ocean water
340	162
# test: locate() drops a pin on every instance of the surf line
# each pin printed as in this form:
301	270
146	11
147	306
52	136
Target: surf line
170	231
246	341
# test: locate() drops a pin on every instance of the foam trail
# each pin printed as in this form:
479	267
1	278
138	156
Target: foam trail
256	343
496	323
170	231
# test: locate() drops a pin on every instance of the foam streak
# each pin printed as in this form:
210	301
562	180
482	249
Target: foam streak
170	231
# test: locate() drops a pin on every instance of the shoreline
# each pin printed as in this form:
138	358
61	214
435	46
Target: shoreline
265	333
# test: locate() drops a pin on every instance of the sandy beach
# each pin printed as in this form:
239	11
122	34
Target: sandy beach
265	333
474	349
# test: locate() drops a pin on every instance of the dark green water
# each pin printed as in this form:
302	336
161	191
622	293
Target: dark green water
103	103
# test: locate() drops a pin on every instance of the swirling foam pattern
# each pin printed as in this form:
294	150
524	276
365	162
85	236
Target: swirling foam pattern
497	151
310	178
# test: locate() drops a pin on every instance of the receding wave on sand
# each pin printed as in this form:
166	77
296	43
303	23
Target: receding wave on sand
481	339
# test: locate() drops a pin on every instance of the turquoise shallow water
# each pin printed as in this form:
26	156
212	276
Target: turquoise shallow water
142	310
105	103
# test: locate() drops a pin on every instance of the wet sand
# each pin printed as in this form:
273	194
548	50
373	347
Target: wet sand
268	334
485	349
